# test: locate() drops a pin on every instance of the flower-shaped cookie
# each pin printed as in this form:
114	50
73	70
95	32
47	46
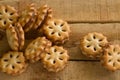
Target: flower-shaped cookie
92	44
15	36
55	58
56	30
36	48
28	17
111	57
13	63
8	15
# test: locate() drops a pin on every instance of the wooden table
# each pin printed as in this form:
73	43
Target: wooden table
84	16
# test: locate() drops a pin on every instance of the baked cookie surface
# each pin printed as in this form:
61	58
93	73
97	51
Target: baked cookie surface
92	44
13	63
111	57
55	58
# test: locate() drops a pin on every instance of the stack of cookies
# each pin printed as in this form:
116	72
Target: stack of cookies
96	45
43	48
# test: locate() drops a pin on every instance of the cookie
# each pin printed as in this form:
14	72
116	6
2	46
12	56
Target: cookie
15	36
8	15
56	30
36	48
111	57
42	14
13	63
55	58
92	44
28	17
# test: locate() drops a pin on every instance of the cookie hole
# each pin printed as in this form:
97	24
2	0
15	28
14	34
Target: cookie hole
100	39
11	19
11	13
64	30
61	52
48	58
0	13
6	10
13	67
17	56
118	53
48	53
109	54
55	50
109	60
114	64
54	62
88	46
118	60
61	25
52	32
55	23
0	18
95	49
59	34
114	49
50	28
4	22
60	58
18	62
6	60
94	37
11	56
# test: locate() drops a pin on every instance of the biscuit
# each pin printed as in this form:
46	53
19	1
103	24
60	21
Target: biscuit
28	17
56	30
42	14
36	48
15	36
92	44
111	57
13	63
55	58
8	15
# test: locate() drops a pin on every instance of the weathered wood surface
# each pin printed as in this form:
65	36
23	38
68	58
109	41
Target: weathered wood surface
84	16
82	10
74	71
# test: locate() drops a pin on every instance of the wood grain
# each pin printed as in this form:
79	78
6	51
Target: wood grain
81	10
74	71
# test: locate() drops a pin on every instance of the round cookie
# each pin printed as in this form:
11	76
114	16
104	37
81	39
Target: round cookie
15	36
13	63
56	30
55	58
36	48
28	17
111	57
8	15
92	44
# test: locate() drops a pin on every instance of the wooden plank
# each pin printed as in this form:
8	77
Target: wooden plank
13	3
74	71
112	31
81	10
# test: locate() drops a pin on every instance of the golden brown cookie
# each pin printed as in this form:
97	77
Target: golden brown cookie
13	63
56	30
8	15
92	44
42	14
15	36
111	57
55	58
36	48
28	17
